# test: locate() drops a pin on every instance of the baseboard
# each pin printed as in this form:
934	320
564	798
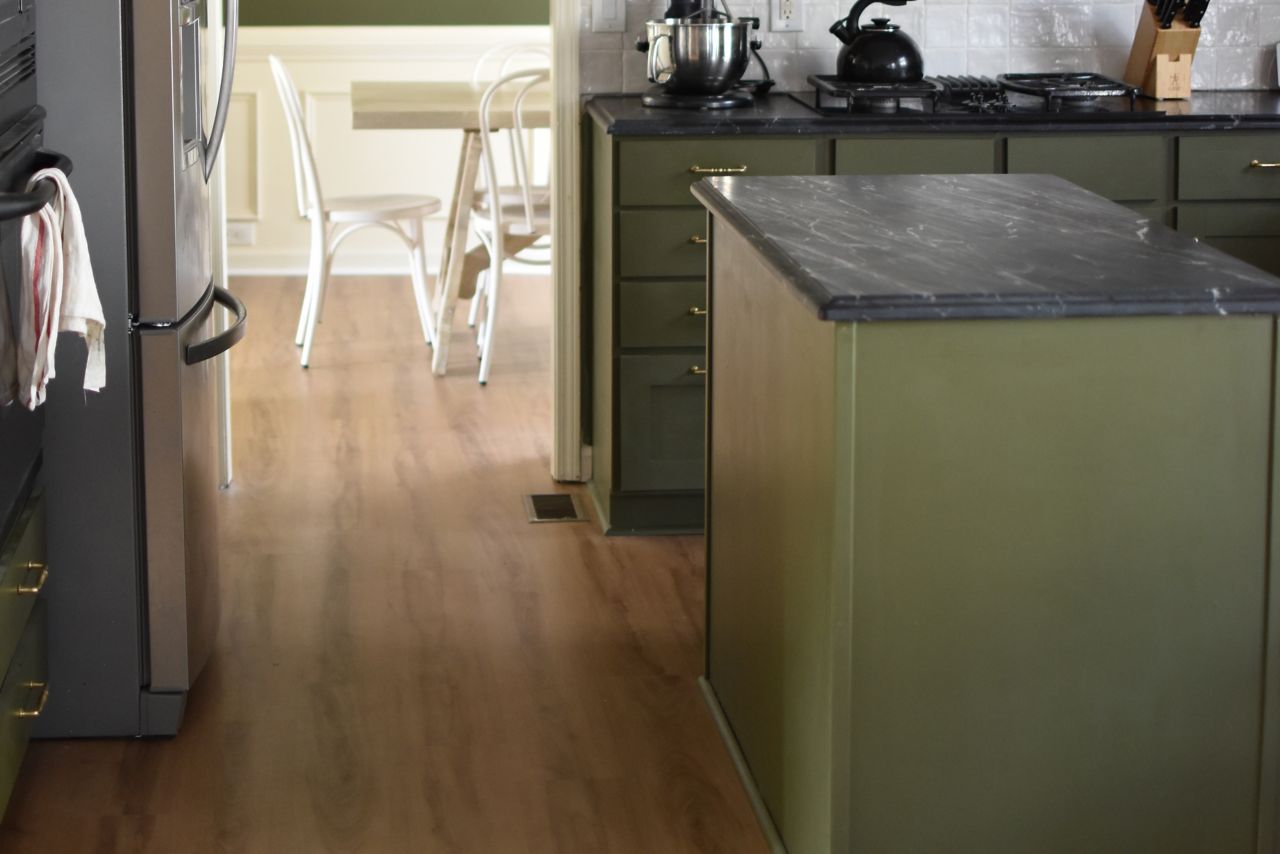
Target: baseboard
770	830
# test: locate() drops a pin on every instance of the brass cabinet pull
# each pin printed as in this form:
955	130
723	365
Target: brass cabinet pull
40	579
43	688
698	240
694	311
717	170
1258	164
697	371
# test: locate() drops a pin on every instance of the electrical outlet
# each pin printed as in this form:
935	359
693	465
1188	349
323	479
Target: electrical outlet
608	16
785	16
241	234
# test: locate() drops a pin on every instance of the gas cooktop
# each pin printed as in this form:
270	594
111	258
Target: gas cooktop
1085	96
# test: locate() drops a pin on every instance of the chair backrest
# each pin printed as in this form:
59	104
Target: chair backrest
305	173
518	84
502	59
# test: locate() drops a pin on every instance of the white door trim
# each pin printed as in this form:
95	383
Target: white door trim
570	460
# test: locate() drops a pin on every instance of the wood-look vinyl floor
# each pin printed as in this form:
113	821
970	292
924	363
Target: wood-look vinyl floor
405	664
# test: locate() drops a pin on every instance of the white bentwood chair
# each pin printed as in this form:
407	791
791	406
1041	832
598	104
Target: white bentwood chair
333	220
506	218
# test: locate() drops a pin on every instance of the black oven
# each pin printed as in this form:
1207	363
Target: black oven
21	153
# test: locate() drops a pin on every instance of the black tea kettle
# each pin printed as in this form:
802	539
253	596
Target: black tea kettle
878	52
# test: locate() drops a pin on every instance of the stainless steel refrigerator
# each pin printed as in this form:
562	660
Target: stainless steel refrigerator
131	474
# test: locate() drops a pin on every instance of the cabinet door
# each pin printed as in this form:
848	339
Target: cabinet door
22	573
1128	168
662	243
662	422
22	697
934	156
662	314
1218	166
660	171
1250	231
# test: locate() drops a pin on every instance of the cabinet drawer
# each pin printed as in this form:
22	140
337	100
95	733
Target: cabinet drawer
662	314
661	422
1248	230
915	156
22	572
658	171
662	243
22	696
1122	168
1217	167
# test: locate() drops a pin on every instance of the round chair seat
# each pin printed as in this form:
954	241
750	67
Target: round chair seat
380	208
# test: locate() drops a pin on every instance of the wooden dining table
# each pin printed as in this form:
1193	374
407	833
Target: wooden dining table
427	105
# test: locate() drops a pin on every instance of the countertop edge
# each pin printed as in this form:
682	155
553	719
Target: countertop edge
731	123
844	309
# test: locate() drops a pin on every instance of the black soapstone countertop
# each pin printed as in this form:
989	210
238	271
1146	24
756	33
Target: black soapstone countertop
931	247
779	114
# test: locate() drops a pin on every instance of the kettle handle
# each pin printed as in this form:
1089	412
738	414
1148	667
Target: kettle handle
850	24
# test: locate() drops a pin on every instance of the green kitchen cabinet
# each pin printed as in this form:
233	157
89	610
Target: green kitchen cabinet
948	155
667	313
1217	166
1248	230
661	421
1122	167
647	239
656	243
660	171
24	687
647	258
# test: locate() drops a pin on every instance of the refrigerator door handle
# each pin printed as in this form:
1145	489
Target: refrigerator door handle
213	144
223	341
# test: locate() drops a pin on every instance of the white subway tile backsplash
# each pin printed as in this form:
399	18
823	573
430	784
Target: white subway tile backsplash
946	27
986	61
986	37
1268	24
1229	26
1114	24
988	26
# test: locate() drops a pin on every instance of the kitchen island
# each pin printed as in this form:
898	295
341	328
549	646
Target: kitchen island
991	561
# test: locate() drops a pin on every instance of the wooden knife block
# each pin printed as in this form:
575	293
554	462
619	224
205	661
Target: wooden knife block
1160	61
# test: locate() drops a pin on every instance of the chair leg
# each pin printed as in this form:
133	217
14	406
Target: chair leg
317	308
314	264
474	311
491	311
418	277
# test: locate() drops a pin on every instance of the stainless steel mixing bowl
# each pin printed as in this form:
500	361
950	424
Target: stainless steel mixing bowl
696	58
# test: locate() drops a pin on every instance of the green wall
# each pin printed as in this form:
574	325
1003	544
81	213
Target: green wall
268	13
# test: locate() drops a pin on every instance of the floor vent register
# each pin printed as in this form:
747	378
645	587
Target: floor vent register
555	507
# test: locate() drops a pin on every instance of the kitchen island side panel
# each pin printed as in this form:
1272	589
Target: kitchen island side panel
770	532
603	272
1059	585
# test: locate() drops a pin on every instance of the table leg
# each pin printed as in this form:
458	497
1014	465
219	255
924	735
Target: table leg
455	248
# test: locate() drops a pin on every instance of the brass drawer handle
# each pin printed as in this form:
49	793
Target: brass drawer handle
697	371
694	311
698	240
717	170
43	687
33	589
1258	164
